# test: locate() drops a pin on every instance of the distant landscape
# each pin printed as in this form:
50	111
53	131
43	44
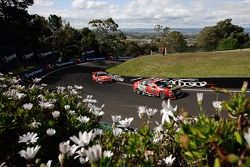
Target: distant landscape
184	31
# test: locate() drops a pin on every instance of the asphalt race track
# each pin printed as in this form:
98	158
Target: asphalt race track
119	98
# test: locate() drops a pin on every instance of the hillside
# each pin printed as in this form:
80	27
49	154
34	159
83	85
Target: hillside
233	63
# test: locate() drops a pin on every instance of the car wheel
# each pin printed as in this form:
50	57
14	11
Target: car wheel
162	95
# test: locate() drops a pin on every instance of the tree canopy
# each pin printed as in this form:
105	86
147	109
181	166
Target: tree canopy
15	25
172	41
220	35
54	22
108	36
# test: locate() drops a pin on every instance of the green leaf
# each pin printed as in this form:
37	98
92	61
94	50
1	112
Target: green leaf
238	137
200	135
244	87
189	154
233	158
217	162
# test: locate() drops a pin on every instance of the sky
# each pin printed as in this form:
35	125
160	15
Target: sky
147	13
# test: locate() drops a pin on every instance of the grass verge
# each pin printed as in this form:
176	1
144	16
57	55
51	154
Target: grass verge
200	65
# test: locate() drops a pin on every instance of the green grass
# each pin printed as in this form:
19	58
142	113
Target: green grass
200	64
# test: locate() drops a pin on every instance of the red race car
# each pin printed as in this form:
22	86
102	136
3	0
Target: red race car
101	77
157	87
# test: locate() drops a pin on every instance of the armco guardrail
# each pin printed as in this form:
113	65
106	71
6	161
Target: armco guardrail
41	71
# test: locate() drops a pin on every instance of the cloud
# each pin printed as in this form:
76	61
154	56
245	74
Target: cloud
168	13
89	4
148	13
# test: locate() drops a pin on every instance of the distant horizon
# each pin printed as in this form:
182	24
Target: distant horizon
153	28
169	27
184	31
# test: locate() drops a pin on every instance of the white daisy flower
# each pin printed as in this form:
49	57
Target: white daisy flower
167	112
67	107
29	153
46	105
117	131
141	111
94	153
247	137
126	122
36	80
83	119
56	114
27	106
84	138
50	132
217	105
78	87
108	153
116	118
168	160
199	98
28	138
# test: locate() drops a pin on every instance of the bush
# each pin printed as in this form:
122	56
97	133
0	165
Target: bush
40	116
39	127
228	44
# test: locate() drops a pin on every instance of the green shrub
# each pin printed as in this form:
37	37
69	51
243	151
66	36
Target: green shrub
228	44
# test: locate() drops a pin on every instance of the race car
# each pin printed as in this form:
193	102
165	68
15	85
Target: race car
101	77
157	87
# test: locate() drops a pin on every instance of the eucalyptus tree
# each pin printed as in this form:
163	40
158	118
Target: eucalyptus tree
207	39
88	39
66	41
110	39
169	41
55	22
175	42
39	32
133	49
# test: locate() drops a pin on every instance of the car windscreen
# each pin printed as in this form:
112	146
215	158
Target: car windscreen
101	74
162	84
